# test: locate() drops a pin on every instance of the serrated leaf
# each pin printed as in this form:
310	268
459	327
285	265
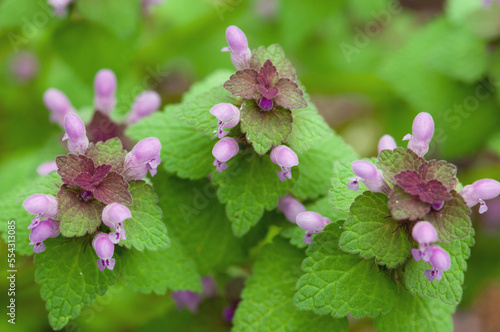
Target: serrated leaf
289	96
157	271
452	221
415	314
372	233
316	166
195	217
121	17
265	129
308	129
70	166
184	151
11	208
108	153
70	279
277	56
449	289
405	206
340	196
77	217
339	283
247	187
145	230
243	84
267	298
392	162
113	189
440	170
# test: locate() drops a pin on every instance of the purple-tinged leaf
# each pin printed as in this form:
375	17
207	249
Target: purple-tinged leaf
277	56
452	221
410	181
243	84
268	77
289	96
108	153
101	129
68	167
434	192
113	189
84	180
100	173
430	192
405	206
439	170
77	217
396	161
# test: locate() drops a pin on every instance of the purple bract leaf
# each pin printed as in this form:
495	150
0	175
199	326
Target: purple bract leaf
439	170
68	167
405	206
289	96
243	84
113	189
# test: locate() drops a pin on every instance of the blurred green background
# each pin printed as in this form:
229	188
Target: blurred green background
370	67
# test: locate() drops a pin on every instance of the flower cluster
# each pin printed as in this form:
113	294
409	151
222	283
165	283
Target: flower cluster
295	212
60	7
95	173
263	85
419	191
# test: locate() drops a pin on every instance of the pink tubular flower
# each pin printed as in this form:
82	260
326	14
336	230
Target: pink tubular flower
104	248
41	232
228	116
440	262
113	216
285	158
105	91
370	175
42	205
145	104
290	207
60	6
386	142
312	223
24	66
76	134
58	105
224	150
238	46
46	168
479	191
422	131
424	233
144	156
187	299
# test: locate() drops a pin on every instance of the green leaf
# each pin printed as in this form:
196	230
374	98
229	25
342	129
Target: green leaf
449	289
109	153
157	271
393	162
452	221
342	197
249	186
415	313
16	13
308	129
77	217
339	283
265	129
145	230
277	56
196	104
70	279
195	217
11	207
316	166
121	17
405	206
184	151
370	232
267	298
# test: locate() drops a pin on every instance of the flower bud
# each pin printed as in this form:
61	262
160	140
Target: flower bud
479	191
312	221
422	131
145	104
60	6
223	150
105	91
228	116
370	175
238	45
284	157
386	142
47	168
58	105
113	216
144	156
290	207
76	134
104	249
424	232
